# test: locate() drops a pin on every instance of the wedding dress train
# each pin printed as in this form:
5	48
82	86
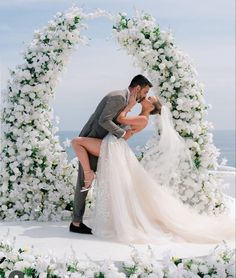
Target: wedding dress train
133	207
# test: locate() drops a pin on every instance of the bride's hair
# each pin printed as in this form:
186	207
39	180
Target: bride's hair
157	108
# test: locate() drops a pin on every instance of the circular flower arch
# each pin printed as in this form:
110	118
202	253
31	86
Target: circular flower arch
36	179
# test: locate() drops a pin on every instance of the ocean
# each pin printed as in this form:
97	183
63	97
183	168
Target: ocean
223	140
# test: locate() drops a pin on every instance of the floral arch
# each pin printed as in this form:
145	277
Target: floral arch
36	179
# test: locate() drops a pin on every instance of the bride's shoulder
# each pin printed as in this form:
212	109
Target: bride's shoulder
141	123
143	119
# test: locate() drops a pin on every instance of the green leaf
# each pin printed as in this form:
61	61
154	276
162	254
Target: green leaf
31	272
130	270
2	273
99	275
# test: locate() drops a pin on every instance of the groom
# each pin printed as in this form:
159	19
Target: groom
99	124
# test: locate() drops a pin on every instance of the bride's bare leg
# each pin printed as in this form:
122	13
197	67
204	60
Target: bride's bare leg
83	145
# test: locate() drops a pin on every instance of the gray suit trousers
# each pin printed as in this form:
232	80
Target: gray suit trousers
80	197
99	124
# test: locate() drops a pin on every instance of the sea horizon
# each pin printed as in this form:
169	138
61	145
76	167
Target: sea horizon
223	139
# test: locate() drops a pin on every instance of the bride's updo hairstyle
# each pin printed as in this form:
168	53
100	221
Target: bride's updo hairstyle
157	108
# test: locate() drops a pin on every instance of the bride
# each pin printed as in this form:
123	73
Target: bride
136	206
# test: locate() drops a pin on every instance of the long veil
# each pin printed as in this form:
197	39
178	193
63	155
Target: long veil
169	158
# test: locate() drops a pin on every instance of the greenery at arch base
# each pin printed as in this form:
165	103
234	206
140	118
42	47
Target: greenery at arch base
36	179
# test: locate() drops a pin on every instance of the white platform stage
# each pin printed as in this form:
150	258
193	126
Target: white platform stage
56	237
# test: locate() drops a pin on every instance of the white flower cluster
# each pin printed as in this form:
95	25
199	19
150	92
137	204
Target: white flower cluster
174	78
220	263
36	179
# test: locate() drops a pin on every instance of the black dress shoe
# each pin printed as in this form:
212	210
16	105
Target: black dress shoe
82	229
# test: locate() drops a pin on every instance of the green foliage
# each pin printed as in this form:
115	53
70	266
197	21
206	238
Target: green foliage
31	272
129	271
2	273
99	275
72	267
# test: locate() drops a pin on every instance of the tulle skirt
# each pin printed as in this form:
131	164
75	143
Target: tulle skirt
131	206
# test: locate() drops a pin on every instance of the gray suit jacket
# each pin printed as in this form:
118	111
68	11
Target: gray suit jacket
102	120
99	124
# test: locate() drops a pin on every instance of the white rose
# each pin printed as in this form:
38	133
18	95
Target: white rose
32	95
13	178
26	88
162	66
189	193
175	113
22	264
22	101
203	268
177	84
4	207
36	102
16	170
11	151
26	162
180	101
11	118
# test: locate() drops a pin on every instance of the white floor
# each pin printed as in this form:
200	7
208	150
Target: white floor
55	237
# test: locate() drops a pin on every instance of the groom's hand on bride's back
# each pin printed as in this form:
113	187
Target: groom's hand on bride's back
128	134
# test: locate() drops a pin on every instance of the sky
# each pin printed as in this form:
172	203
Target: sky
203	29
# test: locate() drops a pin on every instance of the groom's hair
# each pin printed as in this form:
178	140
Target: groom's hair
141	81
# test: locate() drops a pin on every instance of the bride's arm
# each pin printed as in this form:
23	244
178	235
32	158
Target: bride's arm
135	120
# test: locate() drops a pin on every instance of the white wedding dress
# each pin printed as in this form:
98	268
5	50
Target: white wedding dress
133	207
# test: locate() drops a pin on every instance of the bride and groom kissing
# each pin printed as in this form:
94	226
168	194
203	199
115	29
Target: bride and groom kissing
131	205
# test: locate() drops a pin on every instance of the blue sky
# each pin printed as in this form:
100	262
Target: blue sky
203	29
